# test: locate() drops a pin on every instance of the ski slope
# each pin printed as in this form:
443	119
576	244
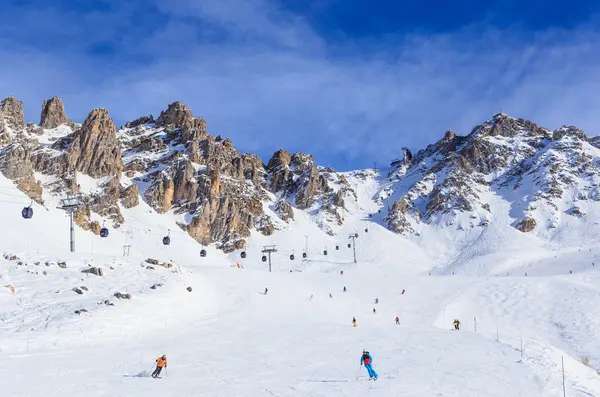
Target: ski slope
226	338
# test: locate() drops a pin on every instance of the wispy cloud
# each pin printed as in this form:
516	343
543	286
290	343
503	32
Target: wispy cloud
260	75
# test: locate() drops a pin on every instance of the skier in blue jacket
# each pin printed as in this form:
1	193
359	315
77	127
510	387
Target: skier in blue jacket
366	359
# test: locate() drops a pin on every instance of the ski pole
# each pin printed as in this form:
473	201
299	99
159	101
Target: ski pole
359	368
166	372
150	370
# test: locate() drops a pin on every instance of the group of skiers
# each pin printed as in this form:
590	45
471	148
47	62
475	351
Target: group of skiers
366	358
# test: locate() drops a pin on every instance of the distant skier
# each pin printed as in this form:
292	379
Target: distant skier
354	323
342	273
374	311
161	363
367	360
456	324
344	288
376	301
311	297
403	291
266	291
331	296
397	320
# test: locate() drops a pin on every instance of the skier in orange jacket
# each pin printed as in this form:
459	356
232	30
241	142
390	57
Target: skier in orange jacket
161	363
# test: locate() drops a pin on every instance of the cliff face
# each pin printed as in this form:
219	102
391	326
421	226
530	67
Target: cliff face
534	169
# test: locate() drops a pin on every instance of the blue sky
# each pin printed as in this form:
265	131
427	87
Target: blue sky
350	82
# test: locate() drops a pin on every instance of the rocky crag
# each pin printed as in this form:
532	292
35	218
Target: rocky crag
542	175
172	163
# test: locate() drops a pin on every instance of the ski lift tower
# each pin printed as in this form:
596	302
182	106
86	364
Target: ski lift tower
268	249
354	236
70	204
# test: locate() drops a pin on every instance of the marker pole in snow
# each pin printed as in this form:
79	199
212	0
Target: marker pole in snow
475	323
353	237
306	244
521	349
562	361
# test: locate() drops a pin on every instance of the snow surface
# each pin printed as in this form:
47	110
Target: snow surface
225	338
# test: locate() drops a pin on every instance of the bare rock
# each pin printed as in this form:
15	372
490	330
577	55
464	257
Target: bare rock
250	167
264	225
140	121
160	193
130	196
526	225
149	267
53	114
284	210
176	115
185	187
278	169
95	150
152	261
11	113
97	271
78	290
189	289
15	164
95	227
119	295
449	135
5	138
62	265
193	129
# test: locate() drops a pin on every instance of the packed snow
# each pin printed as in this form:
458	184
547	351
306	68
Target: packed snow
524	306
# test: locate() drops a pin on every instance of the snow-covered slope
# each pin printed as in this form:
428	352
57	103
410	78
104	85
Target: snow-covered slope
226	338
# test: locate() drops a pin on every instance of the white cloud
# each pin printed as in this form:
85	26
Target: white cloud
262	77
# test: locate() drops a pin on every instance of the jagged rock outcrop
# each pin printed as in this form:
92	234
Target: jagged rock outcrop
297	175
140	121
53	114
175	116
264	225
130	196
503	156
526	225
15	164
279	171
94	149
160	194
11	113
284	210
309	182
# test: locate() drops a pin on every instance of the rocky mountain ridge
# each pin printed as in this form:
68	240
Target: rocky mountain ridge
542	174
219	194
